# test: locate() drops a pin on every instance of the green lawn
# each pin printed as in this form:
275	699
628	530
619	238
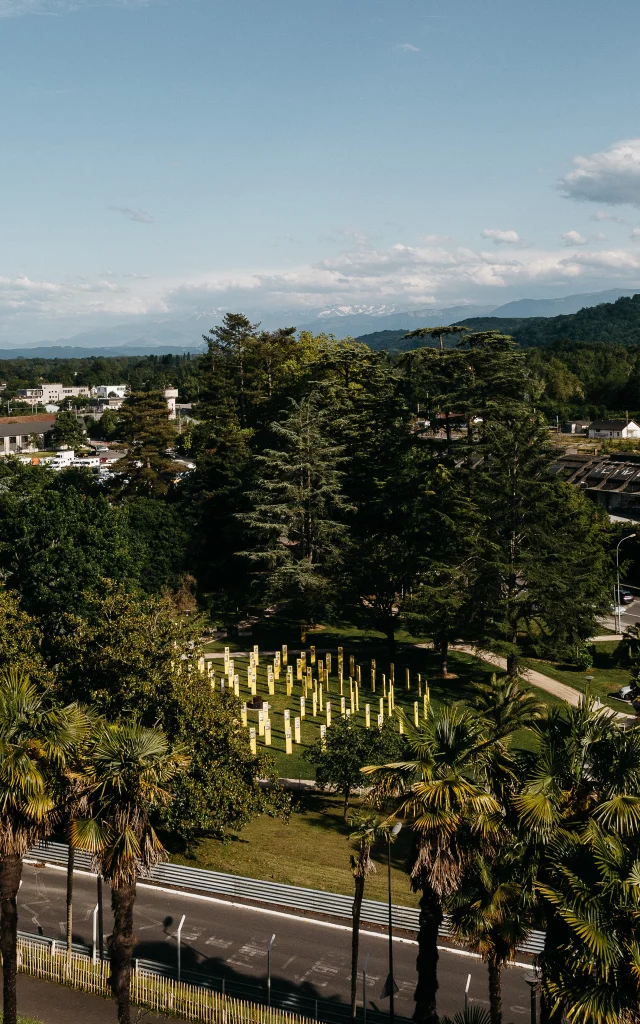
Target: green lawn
607	675
310	850
463	671
363	645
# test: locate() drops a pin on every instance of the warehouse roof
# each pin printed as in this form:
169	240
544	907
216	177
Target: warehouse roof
11	426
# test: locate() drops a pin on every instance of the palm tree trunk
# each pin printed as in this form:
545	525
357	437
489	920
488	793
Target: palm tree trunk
10	874
355	940
427	960
495	990
71	856
121	943
345	811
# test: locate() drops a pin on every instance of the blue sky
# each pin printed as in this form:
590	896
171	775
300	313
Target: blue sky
171	155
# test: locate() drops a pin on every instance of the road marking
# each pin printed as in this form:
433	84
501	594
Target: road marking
218	943
290	917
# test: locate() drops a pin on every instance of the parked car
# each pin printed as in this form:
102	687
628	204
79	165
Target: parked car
626	595
629	693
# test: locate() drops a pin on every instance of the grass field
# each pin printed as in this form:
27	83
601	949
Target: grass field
463	668
364	645
607	675
310	850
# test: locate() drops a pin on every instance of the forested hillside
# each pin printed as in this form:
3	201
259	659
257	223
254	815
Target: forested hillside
612	321
617	322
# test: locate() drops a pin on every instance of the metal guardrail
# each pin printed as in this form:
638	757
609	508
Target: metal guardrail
274	893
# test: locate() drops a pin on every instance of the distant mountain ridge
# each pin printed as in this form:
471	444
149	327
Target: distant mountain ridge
376	324
610	322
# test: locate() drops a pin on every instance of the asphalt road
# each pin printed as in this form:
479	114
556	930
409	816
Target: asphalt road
310	960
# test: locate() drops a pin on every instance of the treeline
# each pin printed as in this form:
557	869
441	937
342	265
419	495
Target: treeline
140	372
318	494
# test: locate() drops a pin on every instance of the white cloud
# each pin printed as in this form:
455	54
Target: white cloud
502	237
574	238
601	215
140	216
635	233
611	176
408	48
408	276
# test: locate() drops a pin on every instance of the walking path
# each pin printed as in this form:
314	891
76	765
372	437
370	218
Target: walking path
534	678
560	690
56	1004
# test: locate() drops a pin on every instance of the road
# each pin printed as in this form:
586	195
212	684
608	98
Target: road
310	960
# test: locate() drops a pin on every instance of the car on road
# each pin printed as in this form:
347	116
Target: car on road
626	596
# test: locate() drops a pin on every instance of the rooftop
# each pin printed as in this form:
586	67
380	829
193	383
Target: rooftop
11	425
611	424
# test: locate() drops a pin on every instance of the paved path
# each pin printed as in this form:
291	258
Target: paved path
535	678
560	690
55	1004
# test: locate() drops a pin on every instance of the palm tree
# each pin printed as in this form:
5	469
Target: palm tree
442	792
131	767
586	770
596	895
451	791
36	741
367	829
489	909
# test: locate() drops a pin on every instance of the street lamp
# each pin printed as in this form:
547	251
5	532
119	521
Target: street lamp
533	983
618	622
390	988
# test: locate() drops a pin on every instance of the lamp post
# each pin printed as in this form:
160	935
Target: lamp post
618	622
269	970
100	919
391	985
533	983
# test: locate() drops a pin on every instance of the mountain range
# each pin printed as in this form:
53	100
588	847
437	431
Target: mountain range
609	322
154	335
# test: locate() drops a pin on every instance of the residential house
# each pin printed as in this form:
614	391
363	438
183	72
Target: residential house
616	429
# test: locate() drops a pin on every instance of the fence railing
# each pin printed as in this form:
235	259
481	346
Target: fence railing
154	992
253	990
275	893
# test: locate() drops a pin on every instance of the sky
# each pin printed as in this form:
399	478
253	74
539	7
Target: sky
162	157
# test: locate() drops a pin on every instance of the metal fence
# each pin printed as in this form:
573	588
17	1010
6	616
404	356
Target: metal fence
154	990
313	901
252	991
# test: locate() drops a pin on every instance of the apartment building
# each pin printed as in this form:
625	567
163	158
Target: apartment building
51	394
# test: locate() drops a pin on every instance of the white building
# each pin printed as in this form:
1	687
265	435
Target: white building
107	391
616	429
62	460
51	394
